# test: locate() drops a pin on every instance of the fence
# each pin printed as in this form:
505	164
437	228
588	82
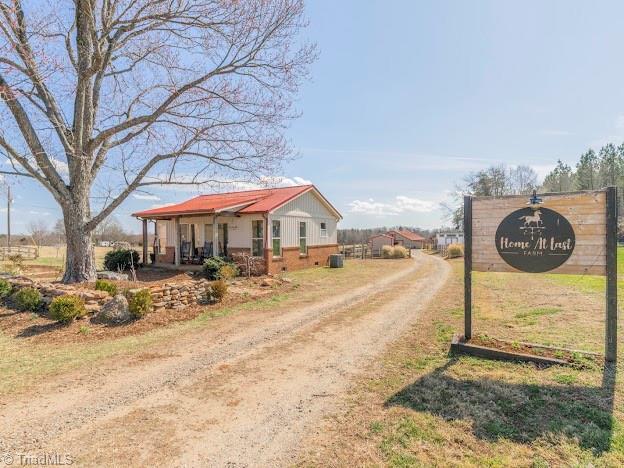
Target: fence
28	252
363	251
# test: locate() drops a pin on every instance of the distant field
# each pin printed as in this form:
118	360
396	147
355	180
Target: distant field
55	256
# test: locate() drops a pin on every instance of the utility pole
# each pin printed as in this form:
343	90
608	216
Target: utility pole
9	200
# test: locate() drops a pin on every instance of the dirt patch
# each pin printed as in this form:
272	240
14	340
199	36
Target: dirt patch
38	328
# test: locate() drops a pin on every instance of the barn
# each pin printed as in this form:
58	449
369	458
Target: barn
408	239
287	228
378	241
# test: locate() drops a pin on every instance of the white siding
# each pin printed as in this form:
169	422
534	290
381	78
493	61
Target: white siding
310	209
239	229
306	207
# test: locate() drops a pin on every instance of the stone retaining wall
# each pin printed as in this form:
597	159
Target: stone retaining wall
164	296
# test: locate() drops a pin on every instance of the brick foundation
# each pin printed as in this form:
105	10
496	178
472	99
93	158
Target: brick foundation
318	255
168	257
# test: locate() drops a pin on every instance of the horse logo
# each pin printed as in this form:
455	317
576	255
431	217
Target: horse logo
534	219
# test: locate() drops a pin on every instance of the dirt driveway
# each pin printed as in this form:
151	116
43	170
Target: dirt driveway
242	393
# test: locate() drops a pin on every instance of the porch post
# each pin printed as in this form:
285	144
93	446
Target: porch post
215	236
145	262
178	239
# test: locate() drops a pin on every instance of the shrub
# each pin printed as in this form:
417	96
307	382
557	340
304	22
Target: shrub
228	271
105	285
27	299
213	265
116	260
5	288
218	290
64	309
455	250
386	251
15	264
400	252
140	303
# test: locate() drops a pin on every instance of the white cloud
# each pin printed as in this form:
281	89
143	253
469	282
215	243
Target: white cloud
230	185
401	204
39	213
145	196
60	166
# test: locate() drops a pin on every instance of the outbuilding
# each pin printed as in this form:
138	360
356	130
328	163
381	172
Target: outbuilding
378	241
287	228
408	239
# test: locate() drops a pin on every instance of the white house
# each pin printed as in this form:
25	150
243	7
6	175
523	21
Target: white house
289	227
449	237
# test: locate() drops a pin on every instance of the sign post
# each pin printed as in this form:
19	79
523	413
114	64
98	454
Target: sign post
571	233
611	290
468	267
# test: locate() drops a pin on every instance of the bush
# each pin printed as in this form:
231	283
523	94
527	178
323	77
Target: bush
64	309
5	288
140	303
386	251
228	271
455	250
212	268
27	299
105	285
400	252
117	260
218	290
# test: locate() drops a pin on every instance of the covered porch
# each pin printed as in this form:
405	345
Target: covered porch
184	242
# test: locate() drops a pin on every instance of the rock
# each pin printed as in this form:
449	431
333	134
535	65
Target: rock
286	280
111	275
115	310
267	282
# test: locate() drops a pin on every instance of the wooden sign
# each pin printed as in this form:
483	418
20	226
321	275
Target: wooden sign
573	233
563	234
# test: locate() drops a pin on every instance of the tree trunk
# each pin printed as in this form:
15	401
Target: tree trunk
80	262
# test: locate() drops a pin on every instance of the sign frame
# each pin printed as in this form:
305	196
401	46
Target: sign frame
610	261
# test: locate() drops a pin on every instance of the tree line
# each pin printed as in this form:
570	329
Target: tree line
594	170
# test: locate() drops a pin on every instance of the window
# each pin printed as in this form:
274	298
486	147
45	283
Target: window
277	238
257	238
323	229
303	247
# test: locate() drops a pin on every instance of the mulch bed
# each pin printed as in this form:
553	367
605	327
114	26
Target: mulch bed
573	357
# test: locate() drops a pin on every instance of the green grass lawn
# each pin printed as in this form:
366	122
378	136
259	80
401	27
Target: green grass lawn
594	283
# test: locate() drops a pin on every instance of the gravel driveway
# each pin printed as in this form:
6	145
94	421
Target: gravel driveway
241	393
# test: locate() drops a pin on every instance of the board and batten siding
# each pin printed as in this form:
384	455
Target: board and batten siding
586	212
239	229
308	208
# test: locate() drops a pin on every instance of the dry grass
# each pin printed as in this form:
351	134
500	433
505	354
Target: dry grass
420	406
55	256
24	361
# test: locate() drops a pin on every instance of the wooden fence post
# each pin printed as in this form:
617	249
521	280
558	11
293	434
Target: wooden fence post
611	292
467	267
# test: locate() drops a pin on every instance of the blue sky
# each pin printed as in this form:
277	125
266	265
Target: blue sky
408	96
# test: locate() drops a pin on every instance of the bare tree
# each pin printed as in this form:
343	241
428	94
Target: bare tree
104	97
522	180
38	231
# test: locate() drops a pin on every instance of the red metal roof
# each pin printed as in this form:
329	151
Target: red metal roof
249	201
409	235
